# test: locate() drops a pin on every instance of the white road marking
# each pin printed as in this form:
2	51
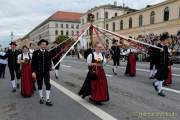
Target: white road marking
95	110
66	66
145	70
171	90
176	68
108	75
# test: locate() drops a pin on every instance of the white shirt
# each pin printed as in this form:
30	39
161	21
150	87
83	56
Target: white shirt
31	51
129	50
96	56
25	56
2	61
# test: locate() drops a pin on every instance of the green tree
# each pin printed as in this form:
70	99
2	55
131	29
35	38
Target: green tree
62	38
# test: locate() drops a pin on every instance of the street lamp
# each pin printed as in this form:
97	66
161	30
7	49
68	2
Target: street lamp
12	35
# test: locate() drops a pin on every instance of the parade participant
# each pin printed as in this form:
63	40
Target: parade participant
56	57
3	64
168	81
88	51
162	71
14	67
115	52
31	48
24	60
154	61
131	62
41	66
96	82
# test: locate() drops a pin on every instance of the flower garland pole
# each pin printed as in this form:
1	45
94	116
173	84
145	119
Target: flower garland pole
71	47
127	38
91	20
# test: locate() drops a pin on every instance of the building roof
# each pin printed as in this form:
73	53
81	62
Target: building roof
148	7
65	16
59	16
110	6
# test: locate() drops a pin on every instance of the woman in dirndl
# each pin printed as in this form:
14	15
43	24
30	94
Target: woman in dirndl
96	84
131	63
26	74
168	81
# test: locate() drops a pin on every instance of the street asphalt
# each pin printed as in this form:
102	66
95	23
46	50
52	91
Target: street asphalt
131	98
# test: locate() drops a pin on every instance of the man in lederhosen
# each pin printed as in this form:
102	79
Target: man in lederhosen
14	67
115	52
41	66
56	55
162	70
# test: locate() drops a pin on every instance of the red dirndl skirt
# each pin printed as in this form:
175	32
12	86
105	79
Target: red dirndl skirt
168	81
26	81
131	65
99	87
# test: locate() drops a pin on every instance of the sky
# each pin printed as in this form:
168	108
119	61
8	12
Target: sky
21	16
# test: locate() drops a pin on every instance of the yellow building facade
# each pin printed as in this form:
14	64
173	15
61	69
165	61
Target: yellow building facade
154	19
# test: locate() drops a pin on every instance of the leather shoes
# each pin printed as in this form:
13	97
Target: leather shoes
14	90
155	87
41	101
161	94
49	103
17	85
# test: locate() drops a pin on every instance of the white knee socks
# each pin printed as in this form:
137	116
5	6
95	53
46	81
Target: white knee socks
56	72
151	73
40	93
159	84
47	94
115	69
13	82
154	72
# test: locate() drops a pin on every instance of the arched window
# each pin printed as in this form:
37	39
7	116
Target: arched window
62	25
67	26
115	14
97	16
56	32
56	25
67	33
114	27
62	32
77	27
72	26
72	33
152	17
82	21
130	22
166	14
140	20
106	15
107	26
121	25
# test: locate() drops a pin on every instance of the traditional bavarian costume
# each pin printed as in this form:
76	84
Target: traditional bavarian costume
26	74
96	82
